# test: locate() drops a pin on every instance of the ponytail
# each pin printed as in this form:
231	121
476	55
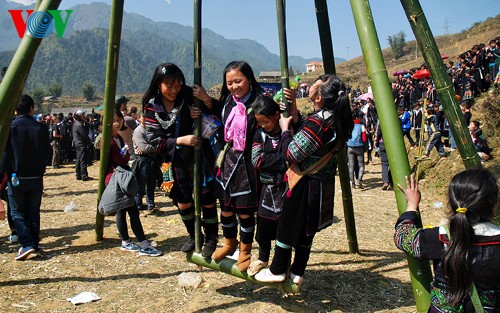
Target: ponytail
472	197
455	263
336	100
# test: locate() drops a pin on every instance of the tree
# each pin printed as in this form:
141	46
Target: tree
397	43
88	90
37	95
56	90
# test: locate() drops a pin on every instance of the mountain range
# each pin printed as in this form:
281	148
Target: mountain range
80	55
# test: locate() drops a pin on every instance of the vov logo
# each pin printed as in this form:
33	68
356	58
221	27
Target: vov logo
40	24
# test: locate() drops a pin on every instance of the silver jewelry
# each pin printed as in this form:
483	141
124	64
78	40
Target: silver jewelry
172	117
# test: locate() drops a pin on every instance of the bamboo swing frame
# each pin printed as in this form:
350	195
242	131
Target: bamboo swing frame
15	79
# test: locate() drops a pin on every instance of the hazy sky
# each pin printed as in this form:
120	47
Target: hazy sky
256	19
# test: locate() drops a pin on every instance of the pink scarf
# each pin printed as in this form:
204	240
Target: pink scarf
236	126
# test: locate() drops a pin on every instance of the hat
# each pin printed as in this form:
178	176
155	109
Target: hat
79	112
119	99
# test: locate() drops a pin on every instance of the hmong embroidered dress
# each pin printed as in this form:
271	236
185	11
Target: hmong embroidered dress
236	177
271	167
162	129
483	257
309	208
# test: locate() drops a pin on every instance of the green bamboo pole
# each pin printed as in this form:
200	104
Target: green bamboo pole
197	126
281	17
115	30
37	4
227	266
329	66
325	36
446	94
420	272
13	83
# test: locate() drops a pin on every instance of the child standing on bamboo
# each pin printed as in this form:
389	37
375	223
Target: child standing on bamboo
236	174
271	168
465	250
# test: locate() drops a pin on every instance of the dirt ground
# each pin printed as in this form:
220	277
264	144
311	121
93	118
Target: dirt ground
375	280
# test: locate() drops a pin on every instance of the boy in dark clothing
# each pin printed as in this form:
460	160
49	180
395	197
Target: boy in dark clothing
434	132
416	120
26	156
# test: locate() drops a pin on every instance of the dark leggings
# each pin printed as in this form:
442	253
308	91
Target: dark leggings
266	232
283	253
135	223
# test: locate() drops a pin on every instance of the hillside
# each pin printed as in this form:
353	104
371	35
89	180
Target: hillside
353	71
81	55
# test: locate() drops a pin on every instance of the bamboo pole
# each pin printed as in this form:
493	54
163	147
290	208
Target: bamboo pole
197	126
13	83
227	266
420	272
329	66
281	17
115	30
446	94
325	36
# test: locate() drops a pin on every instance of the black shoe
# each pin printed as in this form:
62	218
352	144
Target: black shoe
209	248
87	178
188	246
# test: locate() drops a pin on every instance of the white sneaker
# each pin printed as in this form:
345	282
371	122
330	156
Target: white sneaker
296	279
266	276
13	238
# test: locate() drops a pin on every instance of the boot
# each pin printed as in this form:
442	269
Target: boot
245	256
230	245
211	230
188	220
189	245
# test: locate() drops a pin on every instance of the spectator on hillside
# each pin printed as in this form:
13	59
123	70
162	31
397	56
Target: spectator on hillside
480	144
405	119
416	120
434	135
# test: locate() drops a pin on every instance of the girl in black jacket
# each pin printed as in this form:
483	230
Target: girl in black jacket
466	255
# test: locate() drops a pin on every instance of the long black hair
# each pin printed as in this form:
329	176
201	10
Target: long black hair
246	70
164	73
477	191
335	99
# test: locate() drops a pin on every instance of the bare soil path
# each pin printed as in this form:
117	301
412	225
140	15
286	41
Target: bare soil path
376	280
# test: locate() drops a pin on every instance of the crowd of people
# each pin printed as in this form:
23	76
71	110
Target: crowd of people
421	112
272	176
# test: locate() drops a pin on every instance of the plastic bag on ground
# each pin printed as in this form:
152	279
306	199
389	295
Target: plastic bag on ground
70	207
189	279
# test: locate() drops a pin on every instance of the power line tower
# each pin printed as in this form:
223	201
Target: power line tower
446	26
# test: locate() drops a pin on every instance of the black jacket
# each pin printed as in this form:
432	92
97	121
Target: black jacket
80	135
27	148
